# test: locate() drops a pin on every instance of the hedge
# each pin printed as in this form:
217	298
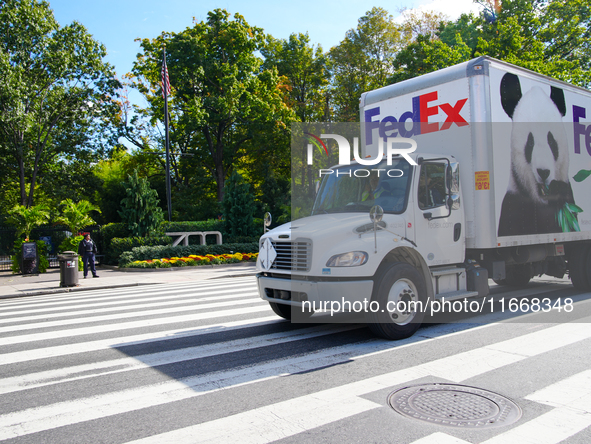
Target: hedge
158	252
109	232
121	245
203	225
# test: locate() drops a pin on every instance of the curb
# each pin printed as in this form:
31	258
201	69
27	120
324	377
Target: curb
106	287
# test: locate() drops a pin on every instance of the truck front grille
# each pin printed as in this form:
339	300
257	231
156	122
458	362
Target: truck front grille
293	256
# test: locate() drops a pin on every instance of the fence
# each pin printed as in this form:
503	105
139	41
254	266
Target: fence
6	262
53	237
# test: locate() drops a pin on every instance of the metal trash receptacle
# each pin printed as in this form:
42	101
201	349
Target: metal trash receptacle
68	261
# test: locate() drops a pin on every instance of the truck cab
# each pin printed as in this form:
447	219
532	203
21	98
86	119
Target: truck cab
382	241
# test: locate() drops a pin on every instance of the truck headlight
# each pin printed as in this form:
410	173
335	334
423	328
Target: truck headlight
350	259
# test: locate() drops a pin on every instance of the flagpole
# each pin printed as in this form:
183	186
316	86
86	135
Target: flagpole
165	92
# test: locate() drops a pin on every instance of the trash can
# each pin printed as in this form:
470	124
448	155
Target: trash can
68	261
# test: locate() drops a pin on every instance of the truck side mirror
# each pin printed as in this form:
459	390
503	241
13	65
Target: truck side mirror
453	201
452	178
267	222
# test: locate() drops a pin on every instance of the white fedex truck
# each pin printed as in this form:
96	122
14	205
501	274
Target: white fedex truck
497	187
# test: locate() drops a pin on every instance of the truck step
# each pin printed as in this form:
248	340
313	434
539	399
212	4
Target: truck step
455	295
447	271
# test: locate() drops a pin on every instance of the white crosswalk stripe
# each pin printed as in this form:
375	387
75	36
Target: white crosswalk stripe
91	361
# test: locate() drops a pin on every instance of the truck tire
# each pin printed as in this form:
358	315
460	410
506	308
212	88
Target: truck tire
516	276
398	283
579	267
285	311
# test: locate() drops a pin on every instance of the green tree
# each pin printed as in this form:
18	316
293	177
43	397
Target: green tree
55	93
75	215
549	37
141	212
427	54
25	219
275	194
238	205
221	97
363	61
306	70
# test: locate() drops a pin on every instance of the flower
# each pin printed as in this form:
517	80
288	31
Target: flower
194	259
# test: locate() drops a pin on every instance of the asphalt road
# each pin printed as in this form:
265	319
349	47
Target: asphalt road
209	362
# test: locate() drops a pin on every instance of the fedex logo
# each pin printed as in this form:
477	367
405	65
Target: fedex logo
422	108
581	130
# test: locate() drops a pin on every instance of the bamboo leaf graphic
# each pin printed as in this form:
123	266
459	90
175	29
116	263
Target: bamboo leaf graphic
582	175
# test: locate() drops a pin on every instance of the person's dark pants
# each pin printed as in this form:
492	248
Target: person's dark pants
88	259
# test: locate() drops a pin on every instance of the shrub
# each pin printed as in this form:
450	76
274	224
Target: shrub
17	257
238	206
120	245
204	225
147	253
109	232
70	244
140	213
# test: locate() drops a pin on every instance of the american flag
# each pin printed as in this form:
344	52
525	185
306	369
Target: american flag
165	81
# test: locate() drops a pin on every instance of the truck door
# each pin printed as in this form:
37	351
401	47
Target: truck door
438	229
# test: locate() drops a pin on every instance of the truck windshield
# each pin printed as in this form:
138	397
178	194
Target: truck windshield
357	188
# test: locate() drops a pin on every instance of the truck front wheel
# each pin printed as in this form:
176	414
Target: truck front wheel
400	295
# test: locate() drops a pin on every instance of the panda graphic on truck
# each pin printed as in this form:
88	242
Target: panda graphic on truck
539	191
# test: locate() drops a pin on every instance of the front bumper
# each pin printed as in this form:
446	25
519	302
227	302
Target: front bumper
294	291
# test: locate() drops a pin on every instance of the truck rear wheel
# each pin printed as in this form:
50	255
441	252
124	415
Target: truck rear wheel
286	311
400	295
516	276
579	265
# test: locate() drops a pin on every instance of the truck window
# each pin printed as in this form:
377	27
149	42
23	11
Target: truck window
432	185
357	188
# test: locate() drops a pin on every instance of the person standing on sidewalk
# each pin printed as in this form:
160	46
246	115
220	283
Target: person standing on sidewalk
87	249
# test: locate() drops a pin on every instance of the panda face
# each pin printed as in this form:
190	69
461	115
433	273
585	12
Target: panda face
538	145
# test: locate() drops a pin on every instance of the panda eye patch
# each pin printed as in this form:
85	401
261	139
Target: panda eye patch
553	145
529	147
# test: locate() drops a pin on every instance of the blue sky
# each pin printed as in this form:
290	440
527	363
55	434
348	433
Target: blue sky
117	24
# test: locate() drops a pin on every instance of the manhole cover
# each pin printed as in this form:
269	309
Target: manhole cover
454	405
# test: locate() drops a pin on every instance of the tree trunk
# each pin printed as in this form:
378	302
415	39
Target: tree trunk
220	180
22	185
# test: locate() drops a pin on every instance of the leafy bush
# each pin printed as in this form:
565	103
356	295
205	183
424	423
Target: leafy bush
241	239
141	213
120	245
109	232
238	206
70	244
155	264
17	257
147	253
204	225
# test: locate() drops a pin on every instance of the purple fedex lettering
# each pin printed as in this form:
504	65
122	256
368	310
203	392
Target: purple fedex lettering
371	124
414	116
581	129
388	126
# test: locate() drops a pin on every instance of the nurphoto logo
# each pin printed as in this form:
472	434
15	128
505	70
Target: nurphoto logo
393	148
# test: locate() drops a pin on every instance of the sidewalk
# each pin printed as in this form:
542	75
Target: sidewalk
12	286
